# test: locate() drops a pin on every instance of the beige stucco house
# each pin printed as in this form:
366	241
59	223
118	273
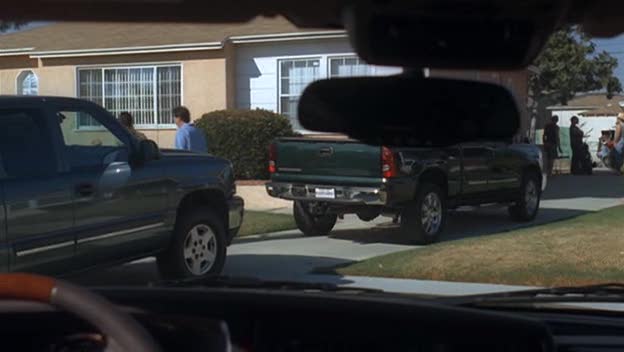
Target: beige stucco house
147	69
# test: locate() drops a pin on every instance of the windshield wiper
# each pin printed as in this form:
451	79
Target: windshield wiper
609	292
251	282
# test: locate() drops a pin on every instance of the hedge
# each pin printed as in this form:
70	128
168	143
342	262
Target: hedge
243	137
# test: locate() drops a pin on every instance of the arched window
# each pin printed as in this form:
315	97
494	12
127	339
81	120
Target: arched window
27	83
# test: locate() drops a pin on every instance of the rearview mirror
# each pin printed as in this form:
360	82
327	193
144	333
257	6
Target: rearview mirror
410	111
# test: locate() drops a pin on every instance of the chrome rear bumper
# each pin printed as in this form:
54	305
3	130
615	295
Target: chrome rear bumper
342	194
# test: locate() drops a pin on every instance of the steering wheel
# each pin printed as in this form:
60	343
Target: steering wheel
122	332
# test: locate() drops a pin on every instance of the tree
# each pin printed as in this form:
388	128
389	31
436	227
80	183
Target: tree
569	65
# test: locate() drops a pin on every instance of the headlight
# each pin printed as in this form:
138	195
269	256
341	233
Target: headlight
540	159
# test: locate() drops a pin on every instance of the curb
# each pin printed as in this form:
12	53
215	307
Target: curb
286	234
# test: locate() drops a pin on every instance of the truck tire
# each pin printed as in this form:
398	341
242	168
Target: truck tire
526	206
423	219
198	247
310	224
368	214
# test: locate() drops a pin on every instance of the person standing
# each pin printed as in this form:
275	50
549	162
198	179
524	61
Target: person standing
618	142
576	143
126	120
188	137
551	143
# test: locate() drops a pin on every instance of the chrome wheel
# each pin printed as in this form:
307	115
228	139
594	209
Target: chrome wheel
531	196
200	249
431	213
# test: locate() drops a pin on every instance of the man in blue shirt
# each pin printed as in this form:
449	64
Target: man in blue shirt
188	136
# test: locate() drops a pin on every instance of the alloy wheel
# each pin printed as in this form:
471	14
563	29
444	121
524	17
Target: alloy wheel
431	213
200	249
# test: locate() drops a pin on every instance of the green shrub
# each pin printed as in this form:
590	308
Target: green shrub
243	137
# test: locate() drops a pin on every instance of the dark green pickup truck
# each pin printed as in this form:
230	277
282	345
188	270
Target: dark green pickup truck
328	178
77	191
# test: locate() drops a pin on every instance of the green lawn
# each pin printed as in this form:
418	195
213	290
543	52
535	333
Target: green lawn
256	222
584	250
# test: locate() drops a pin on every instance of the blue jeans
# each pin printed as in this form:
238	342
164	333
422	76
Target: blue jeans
619	154
619	147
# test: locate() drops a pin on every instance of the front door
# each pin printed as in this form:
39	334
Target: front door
476	169
37	197
119	207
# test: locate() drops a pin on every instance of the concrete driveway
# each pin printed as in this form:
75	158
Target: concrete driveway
290	256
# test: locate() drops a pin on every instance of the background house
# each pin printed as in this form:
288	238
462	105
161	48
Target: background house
596	113
147	69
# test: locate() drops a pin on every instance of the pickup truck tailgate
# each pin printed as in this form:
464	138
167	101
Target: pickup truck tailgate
327	158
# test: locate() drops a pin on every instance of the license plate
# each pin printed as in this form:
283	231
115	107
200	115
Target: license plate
327	193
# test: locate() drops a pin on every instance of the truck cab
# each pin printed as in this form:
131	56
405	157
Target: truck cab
76	198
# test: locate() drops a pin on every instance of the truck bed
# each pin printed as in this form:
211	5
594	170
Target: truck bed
324	160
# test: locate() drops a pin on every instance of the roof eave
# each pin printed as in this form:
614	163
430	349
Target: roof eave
571	107
16	51
126	50
278	37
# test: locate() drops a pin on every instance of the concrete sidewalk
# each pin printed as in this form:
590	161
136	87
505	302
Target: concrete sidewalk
257	199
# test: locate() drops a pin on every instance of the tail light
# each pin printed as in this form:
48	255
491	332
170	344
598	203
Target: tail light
272	158
388	163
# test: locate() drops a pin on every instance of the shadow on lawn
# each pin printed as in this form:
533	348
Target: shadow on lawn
461	224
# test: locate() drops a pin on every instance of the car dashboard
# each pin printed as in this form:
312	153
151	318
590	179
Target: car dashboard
268	320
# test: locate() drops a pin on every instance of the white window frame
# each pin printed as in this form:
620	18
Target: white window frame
342	57
324	71
154	67
19	81
279	74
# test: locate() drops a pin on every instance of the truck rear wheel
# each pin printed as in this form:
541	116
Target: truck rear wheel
423	219
198	248
368	214
313	224
527	204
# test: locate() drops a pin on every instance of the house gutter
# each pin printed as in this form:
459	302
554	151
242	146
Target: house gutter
571	107
126	50
265	38
16	51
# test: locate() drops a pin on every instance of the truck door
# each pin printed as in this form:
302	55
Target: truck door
504	171
37	198
119	207
476	169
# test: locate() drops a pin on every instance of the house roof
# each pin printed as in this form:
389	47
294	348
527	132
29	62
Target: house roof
604	111
591	101
97	37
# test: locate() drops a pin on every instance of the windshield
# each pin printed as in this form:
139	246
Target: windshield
237	187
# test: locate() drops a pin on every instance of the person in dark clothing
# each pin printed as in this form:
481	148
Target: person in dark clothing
551	143
576	143
126	120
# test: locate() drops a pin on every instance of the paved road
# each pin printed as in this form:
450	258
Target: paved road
290	256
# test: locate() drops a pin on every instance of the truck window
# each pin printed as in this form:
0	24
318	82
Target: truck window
92	146
26	147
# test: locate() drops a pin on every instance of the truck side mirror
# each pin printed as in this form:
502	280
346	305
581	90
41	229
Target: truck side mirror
147	151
